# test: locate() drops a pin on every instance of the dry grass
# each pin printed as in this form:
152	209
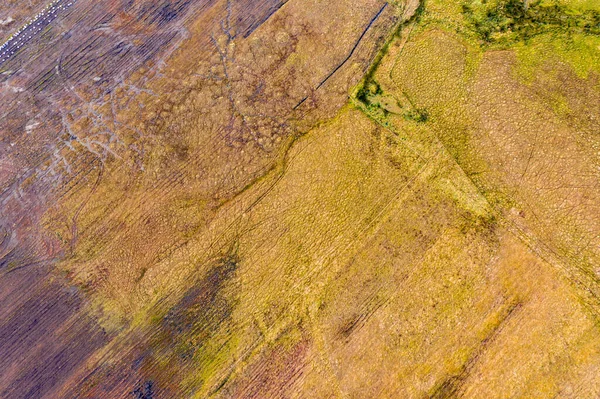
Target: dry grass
379	254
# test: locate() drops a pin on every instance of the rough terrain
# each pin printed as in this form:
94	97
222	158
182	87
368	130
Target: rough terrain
287	199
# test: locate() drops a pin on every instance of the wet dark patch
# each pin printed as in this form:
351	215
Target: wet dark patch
45	337
204	307
163	12
153	367
144	391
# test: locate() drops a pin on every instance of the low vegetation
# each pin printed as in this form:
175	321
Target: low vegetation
507	21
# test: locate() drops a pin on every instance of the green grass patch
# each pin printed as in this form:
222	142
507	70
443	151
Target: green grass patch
510	21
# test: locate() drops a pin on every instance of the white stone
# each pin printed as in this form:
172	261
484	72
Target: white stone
7	21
